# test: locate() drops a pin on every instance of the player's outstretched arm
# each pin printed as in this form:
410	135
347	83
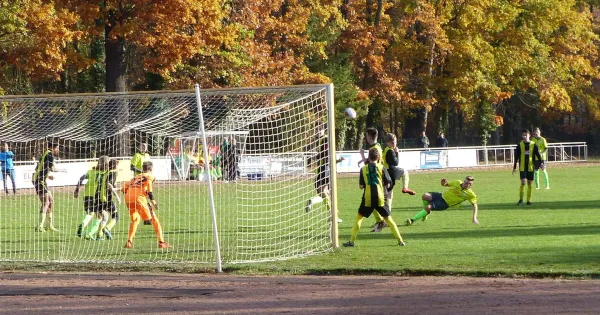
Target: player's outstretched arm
115	192
475	214
76	192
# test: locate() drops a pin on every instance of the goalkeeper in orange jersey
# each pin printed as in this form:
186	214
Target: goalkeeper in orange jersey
136	191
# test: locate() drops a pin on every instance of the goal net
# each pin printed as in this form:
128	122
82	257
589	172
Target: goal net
261	144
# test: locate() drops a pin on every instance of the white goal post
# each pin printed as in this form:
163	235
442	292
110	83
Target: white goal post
241	162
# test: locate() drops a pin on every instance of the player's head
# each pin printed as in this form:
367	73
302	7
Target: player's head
391	140
53	147
143	147
371	135
373	155
441	134
5	147
147	167
112	164
537	132
423	133
102	163
468	182
525	134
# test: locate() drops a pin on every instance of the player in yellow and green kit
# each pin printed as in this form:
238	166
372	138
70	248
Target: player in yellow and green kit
542	145
108	191
452	198
91	197
42	174
371	135
526	155
374	180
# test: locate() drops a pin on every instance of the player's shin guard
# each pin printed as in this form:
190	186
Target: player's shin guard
42	219
529	193
420	215
158	230
94	228
86	220
394	228
111	224
522	192
356	227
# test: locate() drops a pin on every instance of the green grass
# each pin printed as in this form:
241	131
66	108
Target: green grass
557	236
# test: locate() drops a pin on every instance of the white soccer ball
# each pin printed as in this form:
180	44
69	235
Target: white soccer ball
350	113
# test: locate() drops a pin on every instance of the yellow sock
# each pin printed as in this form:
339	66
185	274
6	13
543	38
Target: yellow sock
522	192
101	229
356	227
111	224
377	216
392	225
42	219
529	193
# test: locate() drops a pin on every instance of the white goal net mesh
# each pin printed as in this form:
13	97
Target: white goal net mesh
259	141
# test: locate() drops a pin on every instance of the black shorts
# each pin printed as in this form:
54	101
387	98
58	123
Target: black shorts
108	207
366	211
322	177
91	205
40	187
539	164
526	174
437	202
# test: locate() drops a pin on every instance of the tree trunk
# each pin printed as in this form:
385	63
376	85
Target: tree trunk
116	81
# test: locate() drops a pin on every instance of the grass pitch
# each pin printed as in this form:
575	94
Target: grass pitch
556	236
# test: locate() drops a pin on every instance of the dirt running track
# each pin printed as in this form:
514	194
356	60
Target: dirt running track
226	294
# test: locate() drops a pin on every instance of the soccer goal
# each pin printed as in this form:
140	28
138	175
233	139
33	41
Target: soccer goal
234	170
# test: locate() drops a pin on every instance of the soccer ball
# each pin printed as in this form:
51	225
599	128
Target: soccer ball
350	113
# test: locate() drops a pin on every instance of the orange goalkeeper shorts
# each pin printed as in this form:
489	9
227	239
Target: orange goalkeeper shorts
141	208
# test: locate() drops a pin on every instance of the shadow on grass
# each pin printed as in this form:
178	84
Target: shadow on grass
487	233
536	205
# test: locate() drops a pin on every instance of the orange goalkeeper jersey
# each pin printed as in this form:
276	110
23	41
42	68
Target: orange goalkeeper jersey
138	187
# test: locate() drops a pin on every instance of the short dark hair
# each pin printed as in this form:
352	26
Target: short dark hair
147	166
526	131
52	145
373	154
470	178
372	132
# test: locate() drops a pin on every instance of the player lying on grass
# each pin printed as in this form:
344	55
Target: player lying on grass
452	198
374	180
136	191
